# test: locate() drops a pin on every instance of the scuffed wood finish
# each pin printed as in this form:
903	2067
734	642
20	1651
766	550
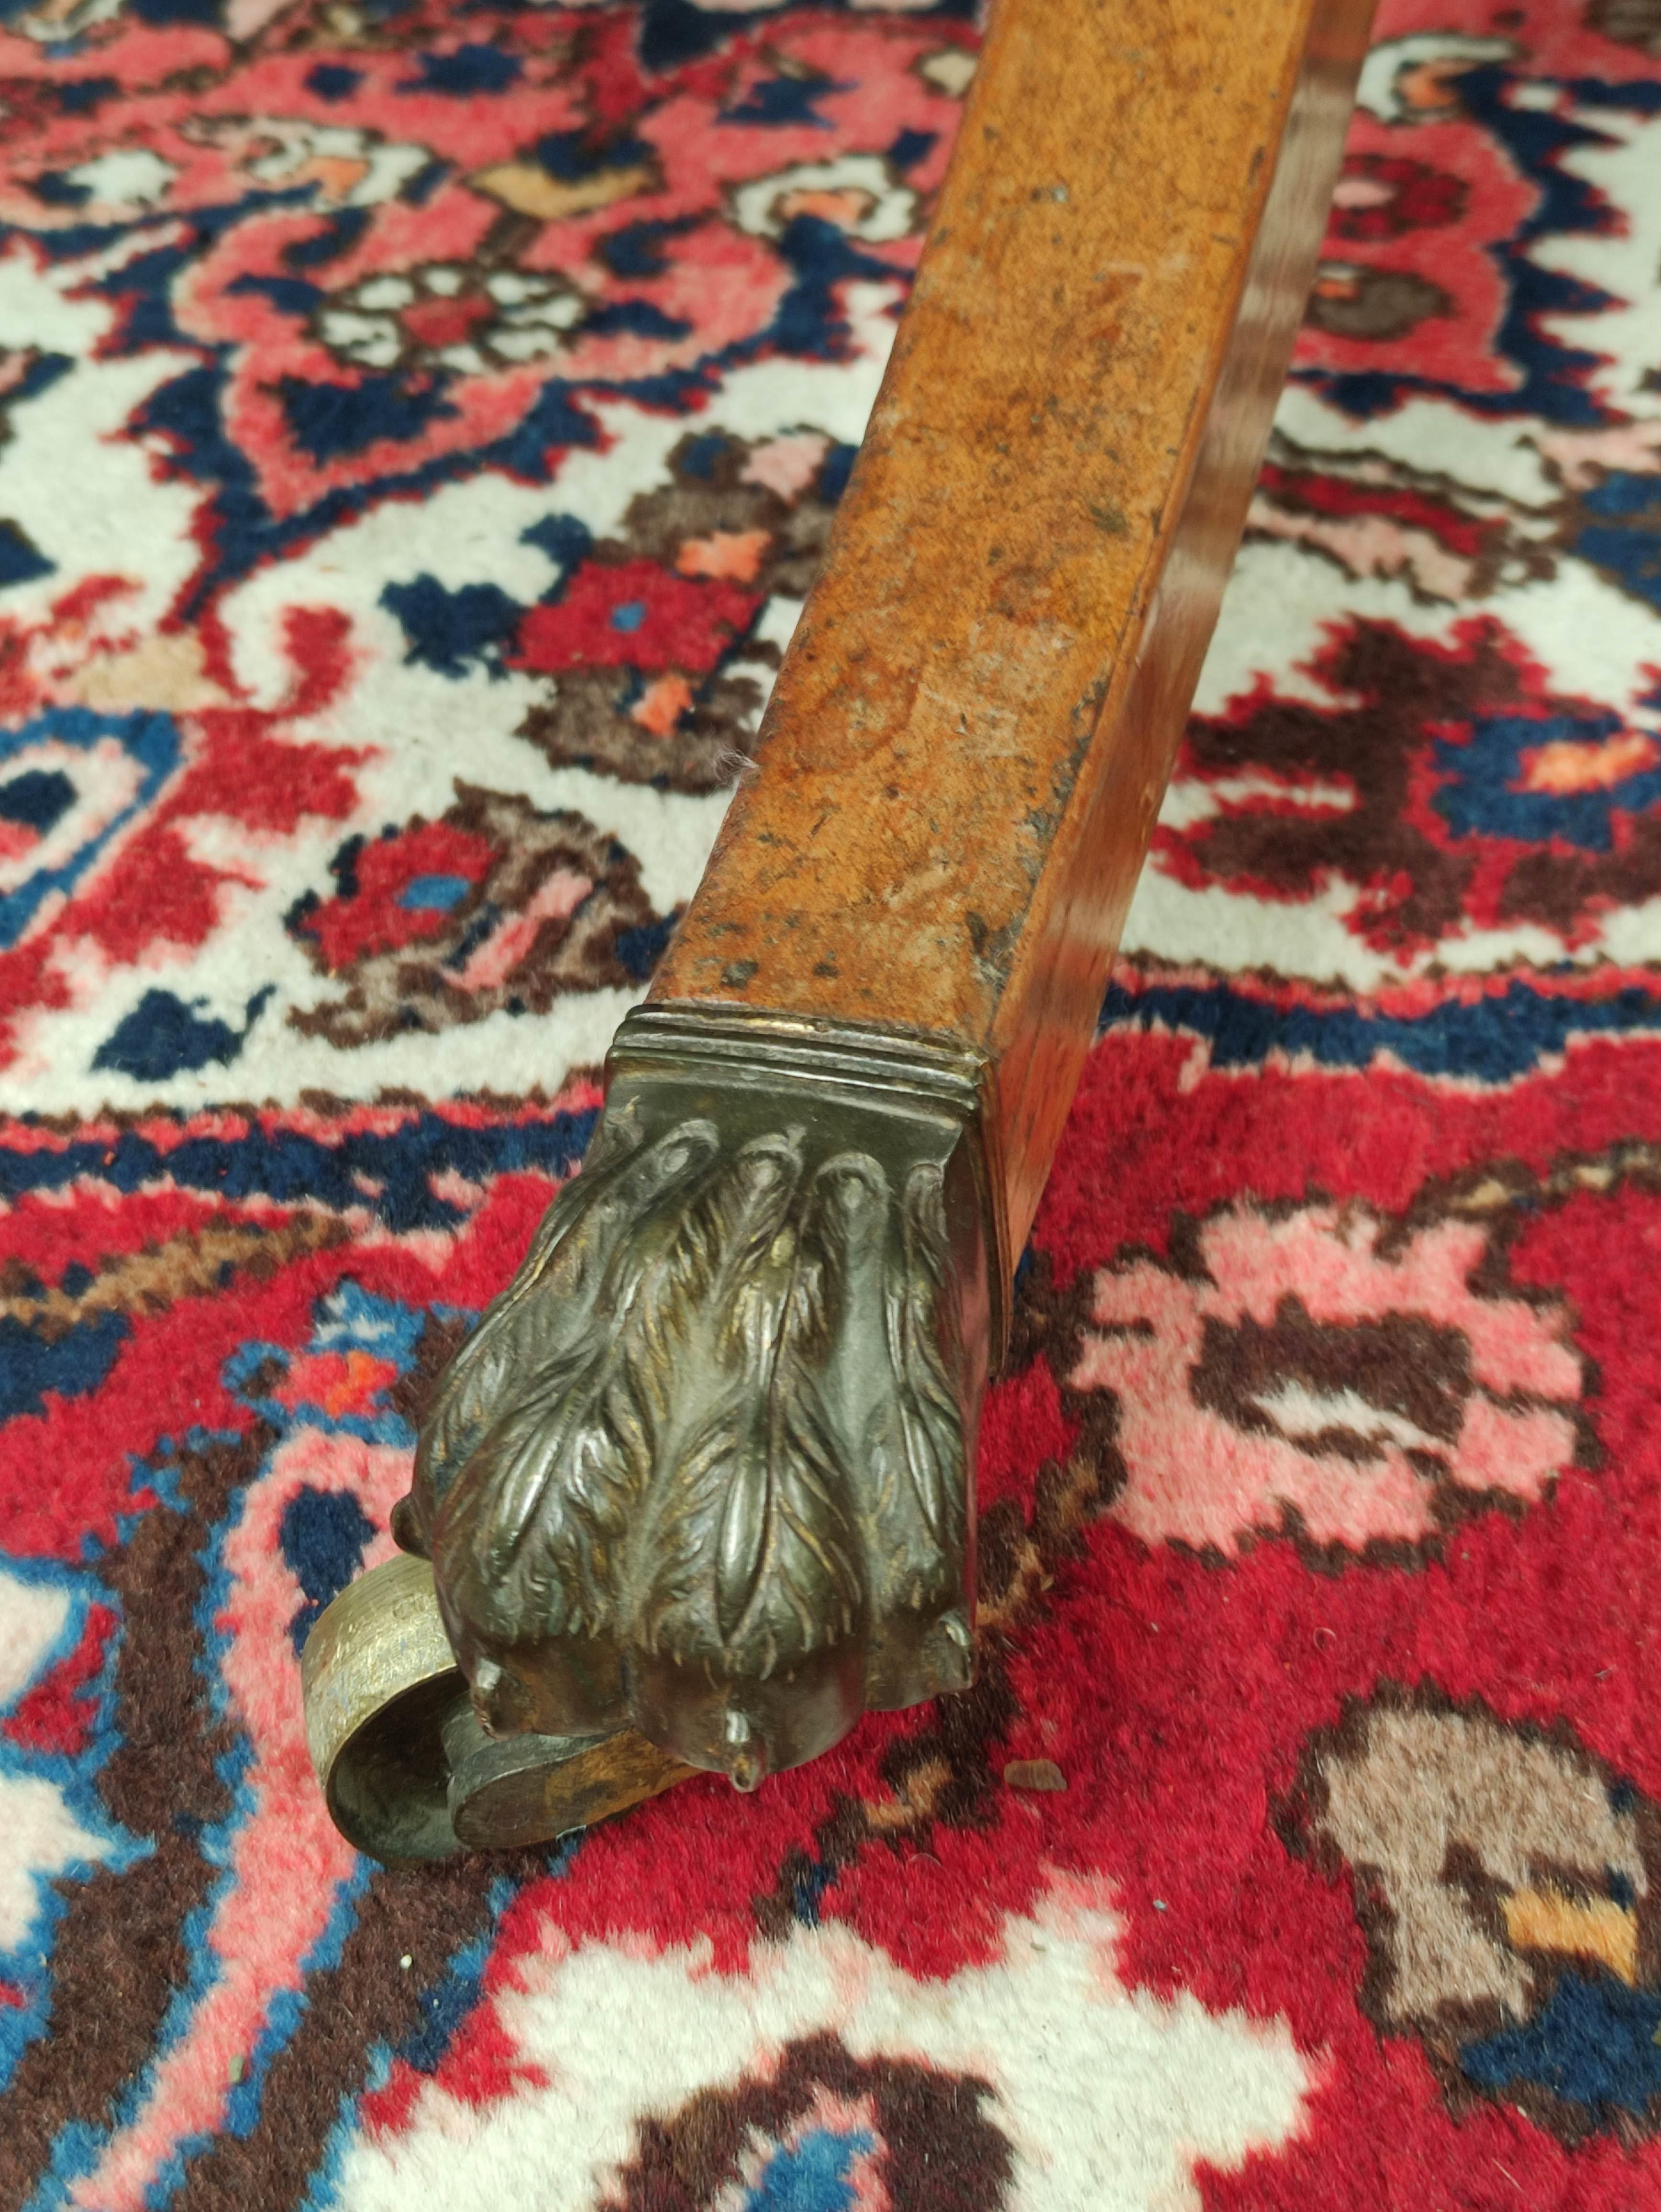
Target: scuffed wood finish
698	1492
972	731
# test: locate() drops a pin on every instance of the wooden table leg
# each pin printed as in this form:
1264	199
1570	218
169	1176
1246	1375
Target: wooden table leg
705	1469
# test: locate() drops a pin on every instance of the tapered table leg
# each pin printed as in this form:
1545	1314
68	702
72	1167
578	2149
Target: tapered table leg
705	1472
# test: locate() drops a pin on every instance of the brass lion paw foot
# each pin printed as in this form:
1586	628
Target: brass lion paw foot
700	1486
703	1470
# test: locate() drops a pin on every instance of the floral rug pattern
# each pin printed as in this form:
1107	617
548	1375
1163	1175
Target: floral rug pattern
419	426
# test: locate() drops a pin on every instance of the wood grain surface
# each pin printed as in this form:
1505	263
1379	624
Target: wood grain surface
969	737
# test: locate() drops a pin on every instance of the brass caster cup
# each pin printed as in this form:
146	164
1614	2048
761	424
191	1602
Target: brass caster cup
407	1771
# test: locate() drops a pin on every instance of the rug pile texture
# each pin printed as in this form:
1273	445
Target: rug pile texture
421	424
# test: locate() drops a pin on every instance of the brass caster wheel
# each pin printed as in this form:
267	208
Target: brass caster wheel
407	1772
507	1791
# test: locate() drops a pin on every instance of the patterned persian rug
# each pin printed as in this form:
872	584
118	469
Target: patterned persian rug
421	425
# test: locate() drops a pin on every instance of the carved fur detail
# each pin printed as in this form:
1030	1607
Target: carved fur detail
701	1468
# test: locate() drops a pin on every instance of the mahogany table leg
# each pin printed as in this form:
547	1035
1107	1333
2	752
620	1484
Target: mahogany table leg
705	1472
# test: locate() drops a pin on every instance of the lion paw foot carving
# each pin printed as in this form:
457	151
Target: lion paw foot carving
704	1469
